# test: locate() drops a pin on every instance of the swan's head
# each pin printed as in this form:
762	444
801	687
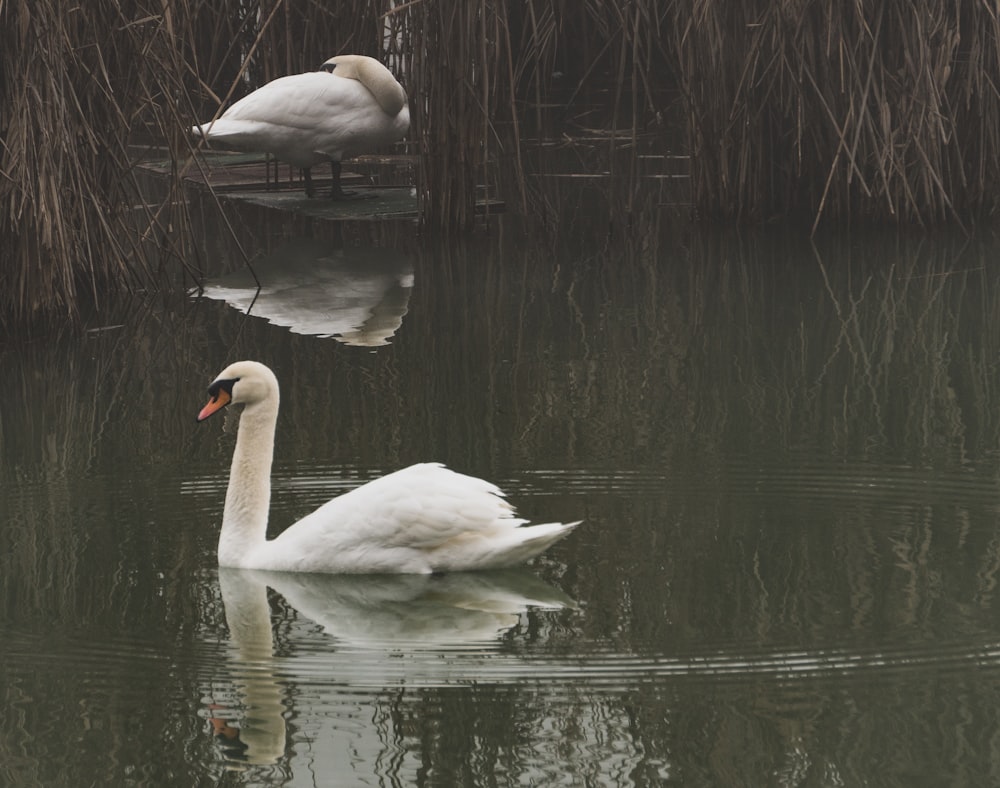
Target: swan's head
347	66
373	75
246	382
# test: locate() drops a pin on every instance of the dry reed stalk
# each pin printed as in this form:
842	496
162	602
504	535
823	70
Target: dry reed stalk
452	66
471	65
601	65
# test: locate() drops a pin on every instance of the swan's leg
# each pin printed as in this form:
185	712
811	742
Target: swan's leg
307	177
337	192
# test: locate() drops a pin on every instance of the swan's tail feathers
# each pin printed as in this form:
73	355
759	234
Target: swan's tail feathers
228	131
540	537
499	548
527	542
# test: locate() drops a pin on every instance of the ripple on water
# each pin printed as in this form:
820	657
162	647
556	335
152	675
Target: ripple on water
335	669
789	476
353	668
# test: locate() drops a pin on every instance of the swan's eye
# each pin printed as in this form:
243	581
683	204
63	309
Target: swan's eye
222	385
221	393
328	67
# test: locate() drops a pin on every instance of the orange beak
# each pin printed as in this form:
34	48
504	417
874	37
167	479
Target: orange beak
218	402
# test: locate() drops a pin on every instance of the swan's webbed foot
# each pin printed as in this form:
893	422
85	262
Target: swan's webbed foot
337	193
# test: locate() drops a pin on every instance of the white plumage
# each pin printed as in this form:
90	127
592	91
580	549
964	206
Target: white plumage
352	105
421	519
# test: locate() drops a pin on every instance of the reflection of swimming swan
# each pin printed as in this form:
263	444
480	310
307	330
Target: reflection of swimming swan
358	296
260	736
387	614
352	105
414	611
420	519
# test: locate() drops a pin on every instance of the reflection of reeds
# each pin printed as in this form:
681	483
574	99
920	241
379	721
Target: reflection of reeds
630	354
57	444
656	353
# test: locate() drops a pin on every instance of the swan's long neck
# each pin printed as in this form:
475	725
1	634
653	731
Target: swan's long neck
382	84
244	521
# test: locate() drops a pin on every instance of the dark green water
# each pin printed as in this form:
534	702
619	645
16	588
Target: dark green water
785	457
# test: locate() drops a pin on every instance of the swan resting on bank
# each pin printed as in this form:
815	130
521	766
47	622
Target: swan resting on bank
353	104
421	519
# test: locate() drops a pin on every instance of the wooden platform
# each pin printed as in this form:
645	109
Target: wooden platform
253	179
370	202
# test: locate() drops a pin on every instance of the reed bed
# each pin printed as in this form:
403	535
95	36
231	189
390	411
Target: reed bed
81	93
865	111
868	111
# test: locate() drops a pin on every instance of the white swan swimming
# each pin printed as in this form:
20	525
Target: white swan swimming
421	519
351	105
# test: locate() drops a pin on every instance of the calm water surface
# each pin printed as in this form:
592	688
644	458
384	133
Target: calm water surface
785	455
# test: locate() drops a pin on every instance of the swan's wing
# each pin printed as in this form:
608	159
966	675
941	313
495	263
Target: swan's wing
294	100
420	507
424	518
309	100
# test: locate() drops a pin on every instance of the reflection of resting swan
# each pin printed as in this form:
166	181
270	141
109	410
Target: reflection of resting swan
358	295
352	105
421	519
389	615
